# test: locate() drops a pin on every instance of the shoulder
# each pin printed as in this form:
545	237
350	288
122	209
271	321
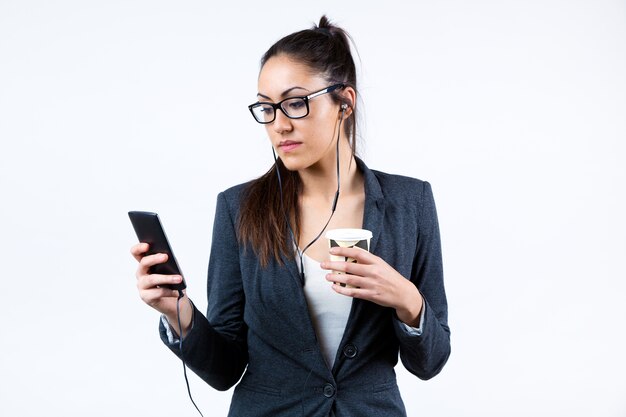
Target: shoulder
235	193
393	184
230	199
398	193
403	197
384	184
394	187
405	193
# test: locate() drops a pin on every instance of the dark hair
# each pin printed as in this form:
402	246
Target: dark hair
325	49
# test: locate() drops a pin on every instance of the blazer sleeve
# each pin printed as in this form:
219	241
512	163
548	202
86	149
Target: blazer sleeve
425	355
215	348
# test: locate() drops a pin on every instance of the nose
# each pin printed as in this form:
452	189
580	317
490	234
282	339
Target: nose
281	123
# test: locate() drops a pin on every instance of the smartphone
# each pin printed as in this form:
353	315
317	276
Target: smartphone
149	230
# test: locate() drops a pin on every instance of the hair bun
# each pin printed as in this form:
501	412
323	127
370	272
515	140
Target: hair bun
325	23
325	26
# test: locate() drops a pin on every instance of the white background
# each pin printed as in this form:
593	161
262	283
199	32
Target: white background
515	111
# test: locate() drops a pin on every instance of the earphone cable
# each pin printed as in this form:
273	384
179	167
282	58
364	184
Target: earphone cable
333	208
180	346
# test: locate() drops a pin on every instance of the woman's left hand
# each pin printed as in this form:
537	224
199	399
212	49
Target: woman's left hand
373	279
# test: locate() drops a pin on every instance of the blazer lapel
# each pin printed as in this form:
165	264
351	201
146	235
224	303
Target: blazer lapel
373	216
292	267
374	205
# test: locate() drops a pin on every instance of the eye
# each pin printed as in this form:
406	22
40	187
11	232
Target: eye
296	104
265	108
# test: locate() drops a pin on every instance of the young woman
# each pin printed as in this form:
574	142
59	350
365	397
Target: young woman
280	324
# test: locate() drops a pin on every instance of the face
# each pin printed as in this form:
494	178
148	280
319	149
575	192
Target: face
300	143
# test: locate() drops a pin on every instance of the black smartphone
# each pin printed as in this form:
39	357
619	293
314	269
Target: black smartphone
149	230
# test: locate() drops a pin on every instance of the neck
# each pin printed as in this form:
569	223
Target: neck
320	180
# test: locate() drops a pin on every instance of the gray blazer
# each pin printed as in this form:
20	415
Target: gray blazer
257	324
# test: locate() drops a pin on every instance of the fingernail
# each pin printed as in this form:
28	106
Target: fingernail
334	250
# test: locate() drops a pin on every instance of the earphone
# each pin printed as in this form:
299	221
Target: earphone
300	253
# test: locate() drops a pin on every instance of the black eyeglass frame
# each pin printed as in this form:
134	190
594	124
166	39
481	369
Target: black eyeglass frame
278	106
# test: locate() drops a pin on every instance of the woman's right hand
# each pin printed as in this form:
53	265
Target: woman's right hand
153	292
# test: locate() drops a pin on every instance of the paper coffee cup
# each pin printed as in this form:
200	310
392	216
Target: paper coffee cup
348	238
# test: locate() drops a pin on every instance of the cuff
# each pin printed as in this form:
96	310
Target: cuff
172	337
413	331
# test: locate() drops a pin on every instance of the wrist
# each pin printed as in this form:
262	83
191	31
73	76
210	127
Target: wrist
186	317
409	313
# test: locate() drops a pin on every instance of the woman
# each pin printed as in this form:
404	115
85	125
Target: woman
304	339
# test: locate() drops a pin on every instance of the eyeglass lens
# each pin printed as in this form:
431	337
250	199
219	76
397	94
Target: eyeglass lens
292	107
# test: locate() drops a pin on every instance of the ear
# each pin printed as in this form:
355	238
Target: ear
348	98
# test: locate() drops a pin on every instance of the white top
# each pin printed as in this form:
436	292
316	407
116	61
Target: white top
329	311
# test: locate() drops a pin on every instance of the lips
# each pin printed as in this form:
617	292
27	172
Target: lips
288	145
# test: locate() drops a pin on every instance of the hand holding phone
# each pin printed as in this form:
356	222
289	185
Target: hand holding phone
152	272
149	230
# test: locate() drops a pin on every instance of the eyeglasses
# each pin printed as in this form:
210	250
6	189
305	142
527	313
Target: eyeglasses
292	107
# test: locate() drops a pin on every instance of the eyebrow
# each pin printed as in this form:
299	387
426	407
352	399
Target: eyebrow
284	93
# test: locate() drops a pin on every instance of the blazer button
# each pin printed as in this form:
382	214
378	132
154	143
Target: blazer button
329	390
350	351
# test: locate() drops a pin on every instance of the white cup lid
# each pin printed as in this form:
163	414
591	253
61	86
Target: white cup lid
348	234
